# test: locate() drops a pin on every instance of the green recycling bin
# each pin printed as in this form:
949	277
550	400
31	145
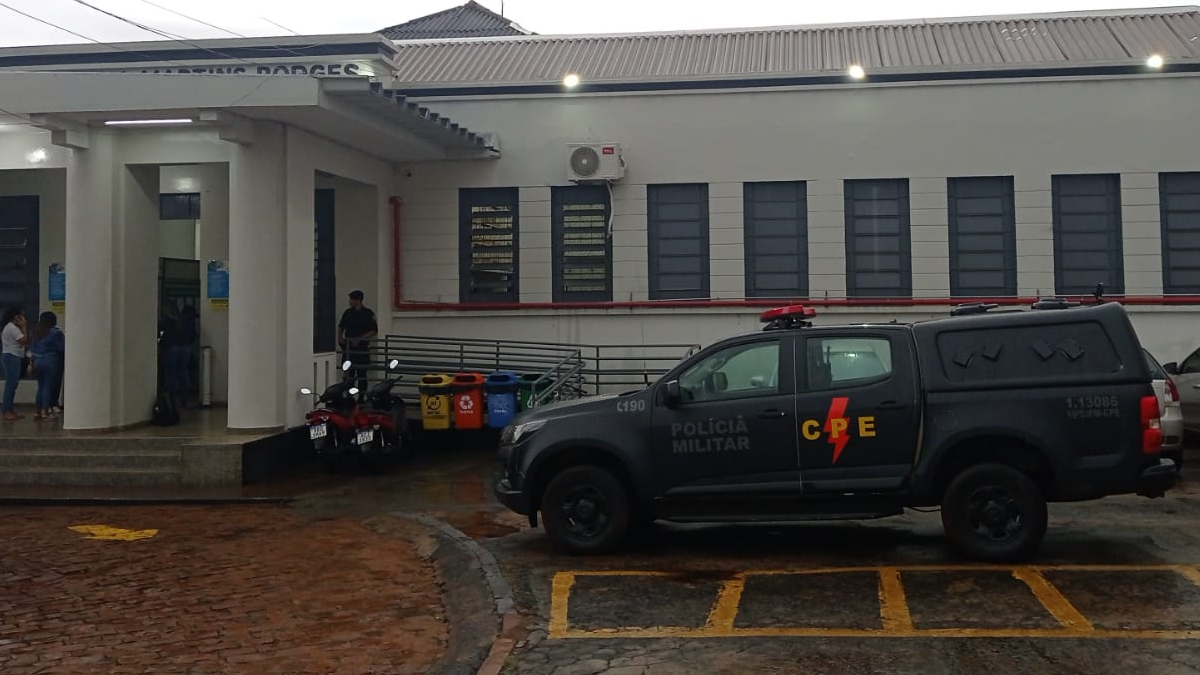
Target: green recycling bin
526	388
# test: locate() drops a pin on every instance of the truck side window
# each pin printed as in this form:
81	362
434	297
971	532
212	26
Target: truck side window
736	372
1191	364
838	362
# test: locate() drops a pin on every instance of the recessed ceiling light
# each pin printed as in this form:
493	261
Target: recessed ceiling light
857	72
571	81
1155	61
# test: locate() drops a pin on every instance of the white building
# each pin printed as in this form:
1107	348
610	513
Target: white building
1000	159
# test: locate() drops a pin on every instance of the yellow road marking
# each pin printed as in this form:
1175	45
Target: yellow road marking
1054	601
110	533
560	594
1192	573
893	605
929	633
724	610
894	611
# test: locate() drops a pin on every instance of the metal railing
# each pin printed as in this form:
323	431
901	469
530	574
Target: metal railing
563	370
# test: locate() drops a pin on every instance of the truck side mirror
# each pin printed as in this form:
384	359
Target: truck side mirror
671	394
1172	368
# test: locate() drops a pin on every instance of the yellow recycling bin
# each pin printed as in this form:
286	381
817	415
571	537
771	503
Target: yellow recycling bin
435	400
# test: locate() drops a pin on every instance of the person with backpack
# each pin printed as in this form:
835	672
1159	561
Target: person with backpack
49	348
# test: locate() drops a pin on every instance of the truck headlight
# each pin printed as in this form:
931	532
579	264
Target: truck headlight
513	433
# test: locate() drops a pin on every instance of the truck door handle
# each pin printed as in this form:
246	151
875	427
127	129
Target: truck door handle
771	414
890	405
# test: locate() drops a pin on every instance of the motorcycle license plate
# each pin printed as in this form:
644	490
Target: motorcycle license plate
318	431
365	436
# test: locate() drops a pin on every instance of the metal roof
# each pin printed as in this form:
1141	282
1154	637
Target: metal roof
469	20
984	42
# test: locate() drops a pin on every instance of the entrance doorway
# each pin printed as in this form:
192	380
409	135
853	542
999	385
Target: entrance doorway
179	328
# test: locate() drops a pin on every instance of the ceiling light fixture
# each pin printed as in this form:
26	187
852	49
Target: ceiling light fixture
1155	61
571	81
857	72
134	123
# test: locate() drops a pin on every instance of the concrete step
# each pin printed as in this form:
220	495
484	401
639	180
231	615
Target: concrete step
105	477
91	460
90	443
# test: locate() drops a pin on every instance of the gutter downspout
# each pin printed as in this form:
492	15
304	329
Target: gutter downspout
397	301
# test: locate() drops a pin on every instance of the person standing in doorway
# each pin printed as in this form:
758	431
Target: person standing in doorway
49	346
172	352
13	339
355	330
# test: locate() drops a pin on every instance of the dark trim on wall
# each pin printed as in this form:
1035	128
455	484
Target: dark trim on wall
765	82
866	303
217	54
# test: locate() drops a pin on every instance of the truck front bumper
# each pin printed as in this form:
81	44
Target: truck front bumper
1157	479
509	496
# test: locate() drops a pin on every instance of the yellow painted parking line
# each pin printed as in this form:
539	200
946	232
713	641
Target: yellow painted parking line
893	605
1192	573
110	533
1054	601
560	595
724	610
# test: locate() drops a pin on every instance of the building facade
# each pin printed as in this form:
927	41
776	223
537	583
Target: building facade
989	160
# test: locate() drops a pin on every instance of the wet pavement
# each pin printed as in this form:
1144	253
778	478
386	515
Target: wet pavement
1116	587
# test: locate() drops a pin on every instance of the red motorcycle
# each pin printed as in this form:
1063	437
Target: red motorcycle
380	436
331	424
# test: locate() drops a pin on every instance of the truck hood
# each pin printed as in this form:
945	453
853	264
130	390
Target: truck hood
578	406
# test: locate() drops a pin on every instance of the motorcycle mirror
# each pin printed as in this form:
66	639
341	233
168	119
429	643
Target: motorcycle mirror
395	363
346	365
354	391
306	391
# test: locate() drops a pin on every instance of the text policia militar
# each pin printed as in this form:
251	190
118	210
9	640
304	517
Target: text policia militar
710	436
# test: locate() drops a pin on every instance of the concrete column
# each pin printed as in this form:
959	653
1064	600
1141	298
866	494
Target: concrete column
91	368
296	345
536	246
135	285
930	237
257	297
826	239
630	243
1141	234
112	298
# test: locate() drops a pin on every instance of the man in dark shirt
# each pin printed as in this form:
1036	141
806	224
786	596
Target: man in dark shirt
354	330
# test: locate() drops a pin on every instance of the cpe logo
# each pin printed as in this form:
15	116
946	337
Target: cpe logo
838	428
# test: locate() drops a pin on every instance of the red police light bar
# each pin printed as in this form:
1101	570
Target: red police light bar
790	310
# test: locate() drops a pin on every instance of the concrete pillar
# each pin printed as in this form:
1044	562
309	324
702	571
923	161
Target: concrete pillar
257	330
297	344
112	299
90	364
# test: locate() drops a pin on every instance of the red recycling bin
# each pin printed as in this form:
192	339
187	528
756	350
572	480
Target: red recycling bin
467	400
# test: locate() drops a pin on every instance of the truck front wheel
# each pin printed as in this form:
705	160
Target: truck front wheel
585	509
995	513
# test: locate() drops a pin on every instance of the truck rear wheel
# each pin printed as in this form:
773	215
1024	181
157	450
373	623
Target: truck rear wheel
995	513
585	510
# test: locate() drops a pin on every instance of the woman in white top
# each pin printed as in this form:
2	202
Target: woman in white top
13	338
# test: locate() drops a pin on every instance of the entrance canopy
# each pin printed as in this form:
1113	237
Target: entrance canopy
355	112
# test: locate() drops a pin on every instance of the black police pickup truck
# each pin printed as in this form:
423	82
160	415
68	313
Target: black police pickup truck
988	415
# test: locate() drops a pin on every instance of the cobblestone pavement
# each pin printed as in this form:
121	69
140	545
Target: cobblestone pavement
1115	589
198	590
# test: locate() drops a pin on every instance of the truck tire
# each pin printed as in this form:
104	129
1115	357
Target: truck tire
585	510
994	513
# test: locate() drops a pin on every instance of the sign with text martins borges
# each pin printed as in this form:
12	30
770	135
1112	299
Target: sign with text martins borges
344	69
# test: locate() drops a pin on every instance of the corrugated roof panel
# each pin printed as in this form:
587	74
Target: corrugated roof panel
468	20
1015	41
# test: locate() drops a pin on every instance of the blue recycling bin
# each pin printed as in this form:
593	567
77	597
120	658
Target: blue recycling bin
501	390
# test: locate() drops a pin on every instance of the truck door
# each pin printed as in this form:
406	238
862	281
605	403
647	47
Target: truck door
734	428
859	410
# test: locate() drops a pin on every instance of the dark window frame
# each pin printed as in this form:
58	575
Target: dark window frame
750	221
904	238
24	262
1008	232
179	206
1115	252
469	198
653	239
560	198
1171	252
